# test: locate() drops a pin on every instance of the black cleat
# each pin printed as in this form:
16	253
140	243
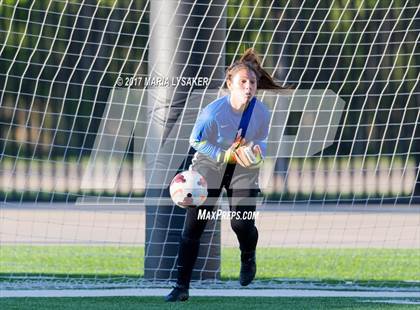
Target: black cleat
248	270
179	293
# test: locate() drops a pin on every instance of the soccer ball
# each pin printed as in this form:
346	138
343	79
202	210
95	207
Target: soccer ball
188	189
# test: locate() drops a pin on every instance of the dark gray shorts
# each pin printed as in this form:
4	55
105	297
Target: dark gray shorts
219	175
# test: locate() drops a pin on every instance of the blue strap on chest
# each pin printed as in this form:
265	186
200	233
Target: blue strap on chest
246	117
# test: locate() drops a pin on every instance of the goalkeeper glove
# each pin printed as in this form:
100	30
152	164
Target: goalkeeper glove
229	156
249	156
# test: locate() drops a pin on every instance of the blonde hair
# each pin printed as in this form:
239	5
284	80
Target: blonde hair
251	61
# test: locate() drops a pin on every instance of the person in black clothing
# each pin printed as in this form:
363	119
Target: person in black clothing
230	139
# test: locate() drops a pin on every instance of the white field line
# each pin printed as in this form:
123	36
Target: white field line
393	301
210	292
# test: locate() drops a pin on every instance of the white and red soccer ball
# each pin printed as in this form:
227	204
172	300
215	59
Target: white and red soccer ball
188	189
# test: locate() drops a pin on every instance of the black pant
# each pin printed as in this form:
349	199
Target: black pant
242	189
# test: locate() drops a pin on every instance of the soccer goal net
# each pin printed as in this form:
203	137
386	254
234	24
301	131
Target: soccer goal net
98	100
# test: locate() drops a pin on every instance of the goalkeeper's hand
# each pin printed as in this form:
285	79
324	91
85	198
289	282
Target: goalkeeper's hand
229	156
249	156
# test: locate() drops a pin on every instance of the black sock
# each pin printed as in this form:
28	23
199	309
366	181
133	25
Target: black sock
187	255
247	255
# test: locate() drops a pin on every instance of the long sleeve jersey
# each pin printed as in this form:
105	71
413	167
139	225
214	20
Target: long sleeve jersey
217	125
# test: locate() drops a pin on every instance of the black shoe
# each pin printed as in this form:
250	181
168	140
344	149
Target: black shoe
179	293
248	269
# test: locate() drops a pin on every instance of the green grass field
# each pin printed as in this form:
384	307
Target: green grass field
373	267
210	303
363	265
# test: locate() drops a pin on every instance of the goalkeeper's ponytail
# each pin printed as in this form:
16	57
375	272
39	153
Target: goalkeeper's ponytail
251	61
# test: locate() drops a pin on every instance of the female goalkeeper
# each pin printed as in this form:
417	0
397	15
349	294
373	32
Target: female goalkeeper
229	137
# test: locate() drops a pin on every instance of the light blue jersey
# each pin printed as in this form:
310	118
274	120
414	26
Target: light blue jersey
217	125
